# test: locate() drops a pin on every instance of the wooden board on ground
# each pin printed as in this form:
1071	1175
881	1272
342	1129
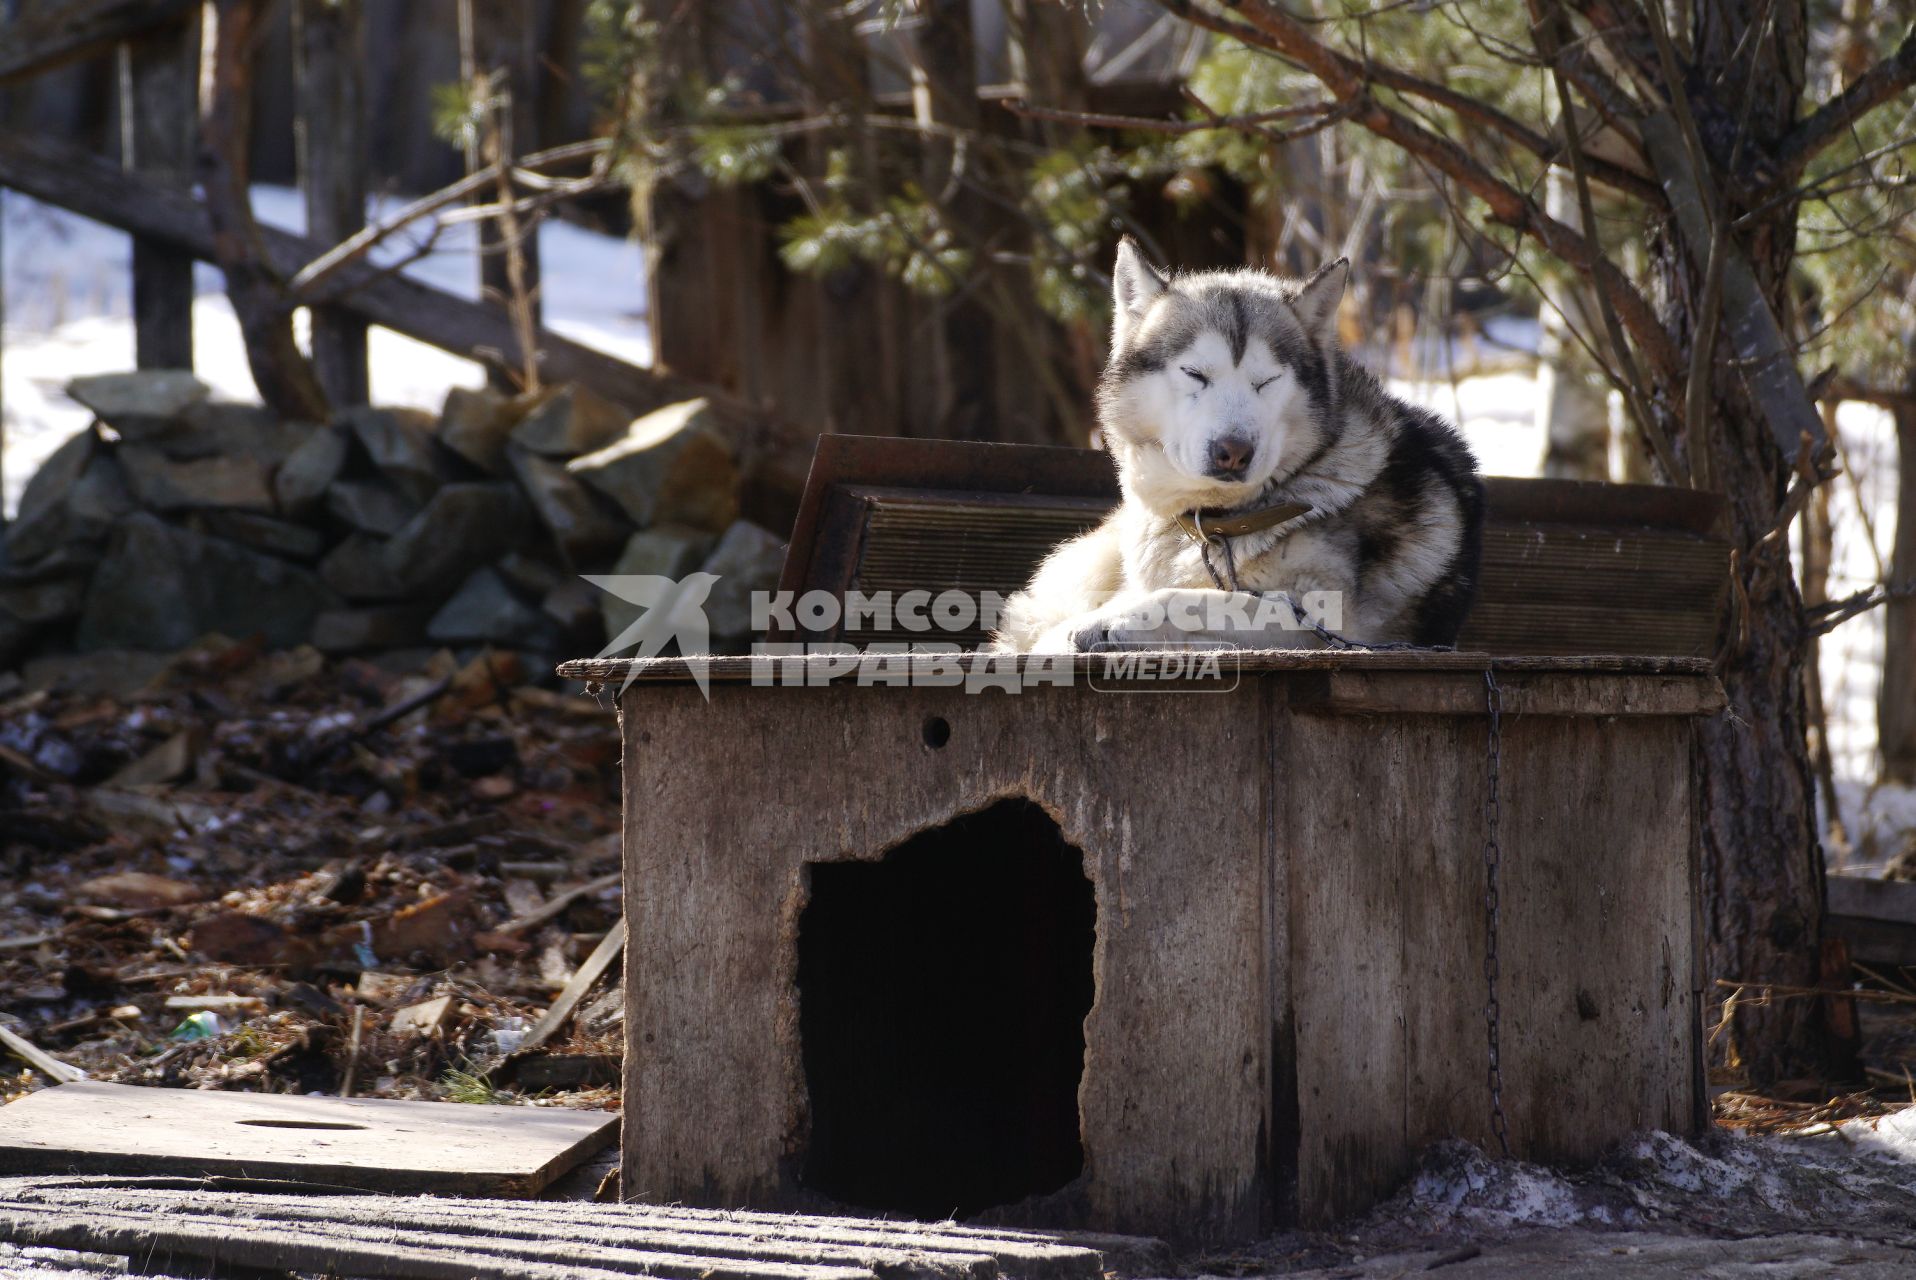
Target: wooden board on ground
369	1144
1877	918
252	1226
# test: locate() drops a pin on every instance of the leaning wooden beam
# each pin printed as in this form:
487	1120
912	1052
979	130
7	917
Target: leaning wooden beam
94	188
50	35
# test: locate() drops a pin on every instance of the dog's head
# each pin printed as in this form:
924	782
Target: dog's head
1218	380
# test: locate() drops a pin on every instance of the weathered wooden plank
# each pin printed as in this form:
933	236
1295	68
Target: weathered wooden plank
59	174
497	40
104	1229
159	79
50	35
45	1063
1346	692
603	957
433	1236
411	1146
818	669
1350	799
1877	918
1599	1021
711	1013
329	39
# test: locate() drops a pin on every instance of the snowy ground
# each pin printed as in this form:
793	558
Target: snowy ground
68	313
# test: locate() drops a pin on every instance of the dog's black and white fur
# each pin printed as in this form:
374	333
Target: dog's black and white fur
1228	391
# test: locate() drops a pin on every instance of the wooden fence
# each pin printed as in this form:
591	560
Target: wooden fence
156	47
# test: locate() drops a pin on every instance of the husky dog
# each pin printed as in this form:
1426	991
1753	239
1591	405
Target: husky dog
1266	476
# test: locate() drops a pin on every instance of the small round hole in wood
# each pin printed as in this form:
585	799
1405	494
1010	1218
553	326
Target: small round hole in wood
937	732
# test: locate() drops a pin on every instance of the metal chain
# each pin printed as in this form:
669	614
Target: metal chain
1493	860
1227	581
1493	817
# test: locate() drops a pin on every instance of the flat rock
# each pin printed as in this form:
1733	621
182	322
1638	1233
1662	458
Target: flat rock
664	551
463	527
675	464
50	600
400	444
162	484
132	403
573	604
746	559
378	627
222	429
529	575
370	506
44	519
303	478
162	587
485	611
581	523
100	497
475	424
356	569
570	421
264	533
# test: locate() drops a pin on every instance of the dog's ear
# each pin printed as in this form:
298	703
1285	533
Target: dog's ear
1135	285
1316	303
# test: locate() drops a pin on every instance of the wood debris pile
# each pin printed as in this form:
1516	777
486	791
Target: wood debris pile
280	872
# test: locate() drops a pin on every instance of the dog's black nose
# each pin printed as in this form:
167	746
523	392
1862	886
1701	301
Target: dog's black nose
1231	456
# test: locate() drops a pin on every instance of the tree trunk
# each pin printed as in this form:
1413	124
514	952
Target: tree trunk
1896	699
281	371
945	92
1762	868
1575	412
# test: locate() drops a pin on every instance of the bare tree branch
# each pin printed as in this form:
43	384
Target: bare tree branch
1825	618
1099	120
1832	120
1266	26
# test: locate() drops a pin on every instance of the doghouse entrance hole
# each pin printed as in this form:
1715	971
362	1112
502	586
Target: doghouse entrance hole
942	998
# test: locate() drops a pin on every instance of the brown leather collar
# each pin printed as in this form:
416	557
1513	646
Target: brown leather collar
1209	524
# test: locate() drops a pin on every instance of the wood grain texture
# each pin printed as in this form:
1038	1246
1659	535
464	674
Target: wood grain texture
1562	693
1290	934
779	671
248	1224
414	1147
1174	1093
1598	1024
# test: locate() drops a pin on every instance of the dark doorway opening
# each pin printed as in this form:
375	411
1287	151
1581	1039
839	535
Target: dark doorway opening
942	997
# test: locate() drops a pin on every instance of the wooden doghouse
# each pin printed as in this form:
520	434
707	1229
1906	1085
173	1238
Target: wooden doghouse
1192	957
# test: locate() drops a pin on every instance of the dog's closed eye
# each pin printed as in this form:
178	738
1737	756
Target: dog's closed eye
1259	386
1202	380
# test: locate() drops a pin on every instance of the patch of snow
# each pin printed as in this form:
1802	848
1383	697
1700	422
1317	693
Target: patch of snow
69	312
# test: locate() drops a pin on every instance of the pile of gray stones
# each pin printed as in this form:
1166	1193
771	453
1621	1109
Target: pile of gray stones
174	516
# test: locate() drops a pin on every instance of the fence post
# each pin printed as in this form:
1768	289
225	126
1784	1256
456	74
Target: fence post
330	126
499	36
159	110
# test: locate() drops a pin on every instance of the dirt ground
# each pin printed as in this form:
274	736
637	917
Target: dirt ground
240	870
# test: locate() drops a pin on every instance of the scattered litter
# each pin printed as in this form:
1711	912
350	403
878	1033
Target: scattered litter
204	1025
509	1035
